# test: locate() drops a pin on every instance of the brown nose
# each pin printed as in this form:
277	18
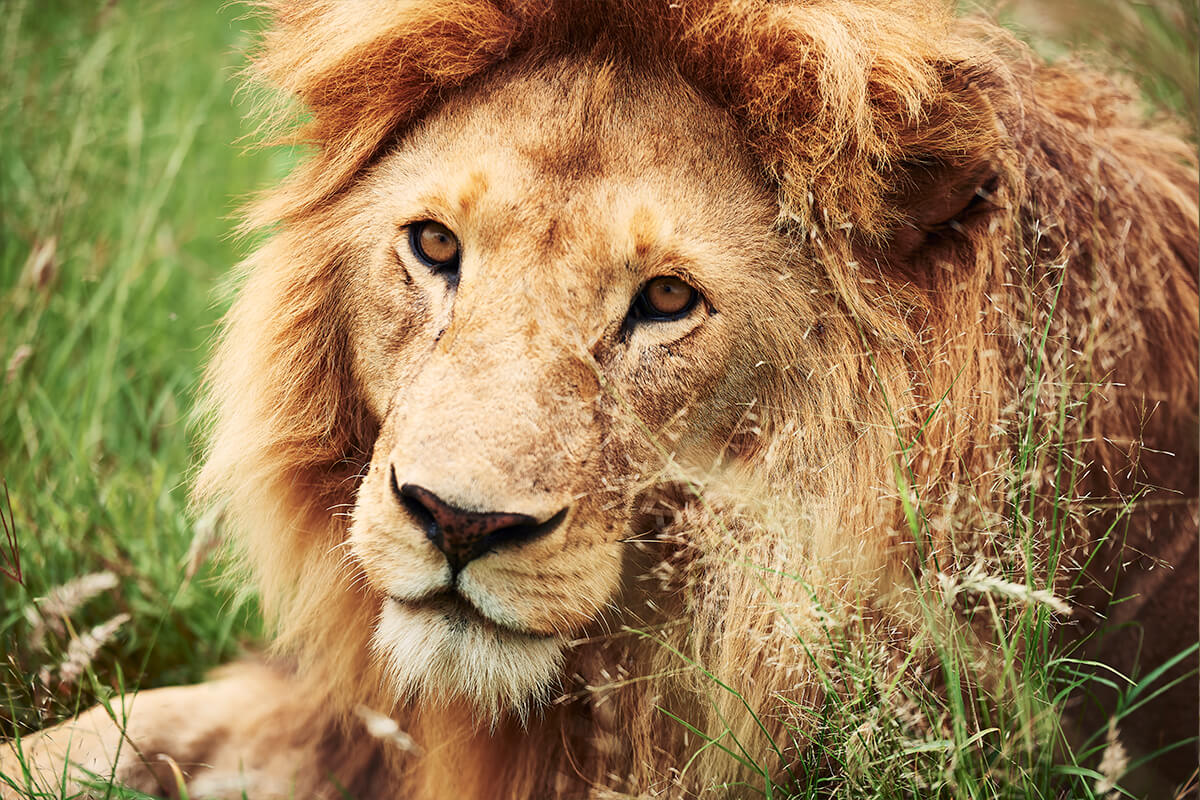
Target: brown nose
463	536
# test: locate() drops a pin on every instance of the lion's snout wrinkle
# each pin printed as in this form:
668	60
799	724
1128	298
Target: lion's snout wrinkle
463	536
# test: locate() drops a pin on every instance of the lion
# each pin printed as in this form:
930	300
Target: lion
603	354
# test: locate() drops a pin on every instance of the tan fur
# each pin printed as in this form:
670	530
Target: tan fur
811	167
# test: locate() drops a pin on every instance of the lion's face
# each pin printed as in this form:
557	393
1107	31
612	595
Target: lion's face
553	294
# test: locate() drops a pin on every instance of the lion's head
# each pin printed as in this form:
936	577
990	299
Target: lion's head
550	270
562	281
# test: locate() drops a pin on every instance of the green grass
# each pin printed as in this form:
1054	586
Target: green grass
118	179
117	164
1154	42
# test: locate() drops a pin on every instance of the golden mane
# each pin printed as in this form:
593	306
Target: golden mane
858	113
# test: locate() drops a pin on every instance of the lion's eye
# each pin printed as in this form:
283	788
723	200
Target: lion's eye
434	245
664	298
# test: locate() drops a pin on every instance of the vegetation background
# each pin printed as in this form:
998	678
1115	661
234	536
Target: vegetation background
120	175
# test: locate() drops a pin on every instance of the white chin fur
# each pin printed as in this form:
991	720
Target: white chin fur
440	651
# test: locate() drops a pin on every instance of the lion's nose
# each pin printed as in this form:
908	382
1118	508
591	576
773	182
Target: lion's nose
463	536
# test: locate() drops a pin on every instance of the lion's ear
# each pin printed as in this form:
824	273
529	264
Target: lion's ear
946	176
938	203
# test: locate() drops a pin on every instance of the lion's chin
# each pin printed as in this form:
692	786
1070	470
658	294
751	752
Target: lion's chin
440	649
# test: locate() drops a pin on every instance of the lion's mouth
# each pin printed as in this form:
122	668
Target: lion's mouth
460	614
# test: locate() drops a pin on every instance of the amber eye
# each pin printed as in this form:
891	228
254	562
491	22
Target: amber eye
434	245
664	298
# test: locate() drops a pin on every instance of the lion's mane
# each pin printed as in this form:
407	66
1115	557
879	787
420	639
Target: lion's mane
1076	277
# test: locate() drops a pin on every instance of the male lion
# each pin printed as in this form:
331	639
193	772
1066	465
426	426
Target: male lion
602	345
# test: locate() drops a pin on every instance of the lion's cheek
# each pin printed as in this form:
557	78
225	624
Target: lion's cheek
386	323
689	388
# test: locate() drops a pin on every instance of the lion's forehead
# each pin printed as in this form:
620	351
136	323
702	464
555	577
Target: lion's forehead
601	185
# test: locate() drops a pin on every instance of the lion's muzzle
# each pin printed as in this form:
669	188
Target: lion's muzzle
461	535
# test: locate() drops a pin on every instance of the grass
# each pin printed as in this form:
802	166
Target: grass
1154	42
118	178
